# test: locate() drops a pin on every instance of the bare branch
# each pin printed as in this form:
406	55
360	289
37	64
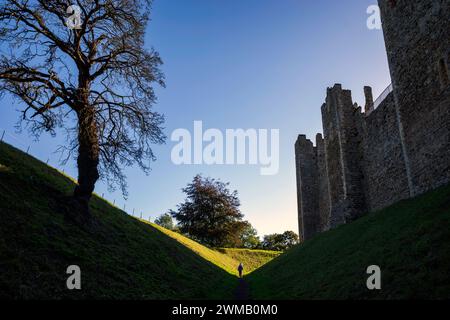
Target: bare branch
101	71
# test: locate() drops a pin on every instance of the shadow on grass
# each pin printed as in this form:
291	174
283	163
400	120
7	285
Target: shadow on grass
409	241
121	258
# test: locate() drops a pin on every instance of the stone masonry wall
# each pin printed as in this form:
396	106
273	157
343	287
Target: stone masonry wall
322	176
333	157
358	166
341	125
307	183
418	49
367	161
383	165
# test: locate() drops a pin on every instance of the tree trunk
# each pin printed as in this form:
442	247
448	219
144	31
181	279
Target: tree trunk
88	158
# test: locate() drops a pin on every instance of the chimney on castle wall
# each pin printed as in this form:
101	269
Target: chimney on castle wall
369	100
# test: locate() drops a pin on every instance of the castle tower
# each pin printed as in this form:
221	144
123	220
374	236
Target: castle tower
401	149
342	149
307	188
322	184
418	47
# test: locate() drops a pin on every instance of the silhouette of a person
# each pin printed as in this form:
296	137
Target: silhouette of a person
240	269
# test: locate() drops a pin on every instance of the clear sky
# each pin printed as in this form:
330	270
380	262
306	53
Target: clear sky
242	64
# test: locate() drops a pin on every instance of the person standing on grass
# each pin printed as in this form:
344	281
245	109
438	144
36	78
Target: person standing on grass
240	269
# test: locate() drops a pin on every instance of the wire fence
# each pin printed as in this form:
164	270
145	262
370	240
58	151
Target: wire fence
27	147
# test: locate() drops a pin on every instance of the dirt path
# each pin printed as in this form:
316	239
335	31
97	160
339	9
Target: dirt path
242	291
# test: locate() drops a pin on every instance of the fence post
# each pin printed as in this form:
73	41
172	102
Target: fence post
141	215
28	149
47	161
3	134
103	195
124	207
114	203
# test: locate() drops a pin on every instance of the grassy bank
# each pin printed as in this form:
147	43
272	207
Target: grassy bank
409	241
121	257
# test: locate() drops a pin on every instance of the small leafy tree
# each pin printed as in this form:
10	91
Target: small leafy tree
280	242
249	237
210	214
165	220
91	76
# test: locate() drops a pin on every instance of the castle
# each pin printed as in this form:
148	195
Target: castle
399	146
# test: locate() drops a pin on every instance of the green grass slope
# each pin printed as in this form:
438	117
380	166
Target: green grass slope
121	257
409	241
221	260
225	258
251	259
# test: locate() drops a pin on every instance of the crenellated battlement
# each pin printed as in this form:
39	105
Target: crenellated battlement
400	145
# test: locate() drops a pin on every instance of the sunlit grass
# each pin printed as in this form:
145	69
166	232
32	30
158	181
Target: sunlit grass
251	259
227	259
120	257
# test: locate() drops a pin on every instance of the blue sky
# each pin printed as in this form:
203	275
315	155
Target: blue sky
242	64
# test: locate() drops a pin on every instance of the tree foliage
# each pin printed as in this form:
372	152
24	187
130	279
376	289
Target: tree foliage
249	237
280	242
210	213
95	81
165	220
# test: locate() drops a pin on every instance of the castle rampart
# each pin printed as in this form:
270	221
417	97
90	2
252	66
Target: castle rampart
401	148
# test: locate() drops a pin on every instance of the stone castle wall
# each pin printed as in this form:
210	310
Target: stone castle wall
383	164
367	161
418	48
307	183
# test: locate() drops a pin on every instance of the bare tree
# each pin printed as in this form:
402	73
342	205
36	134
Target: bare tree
90	75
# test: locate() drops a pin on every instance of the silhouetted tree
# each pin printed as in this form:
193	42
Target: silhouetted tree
210	213
280	242
165	220
91	76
